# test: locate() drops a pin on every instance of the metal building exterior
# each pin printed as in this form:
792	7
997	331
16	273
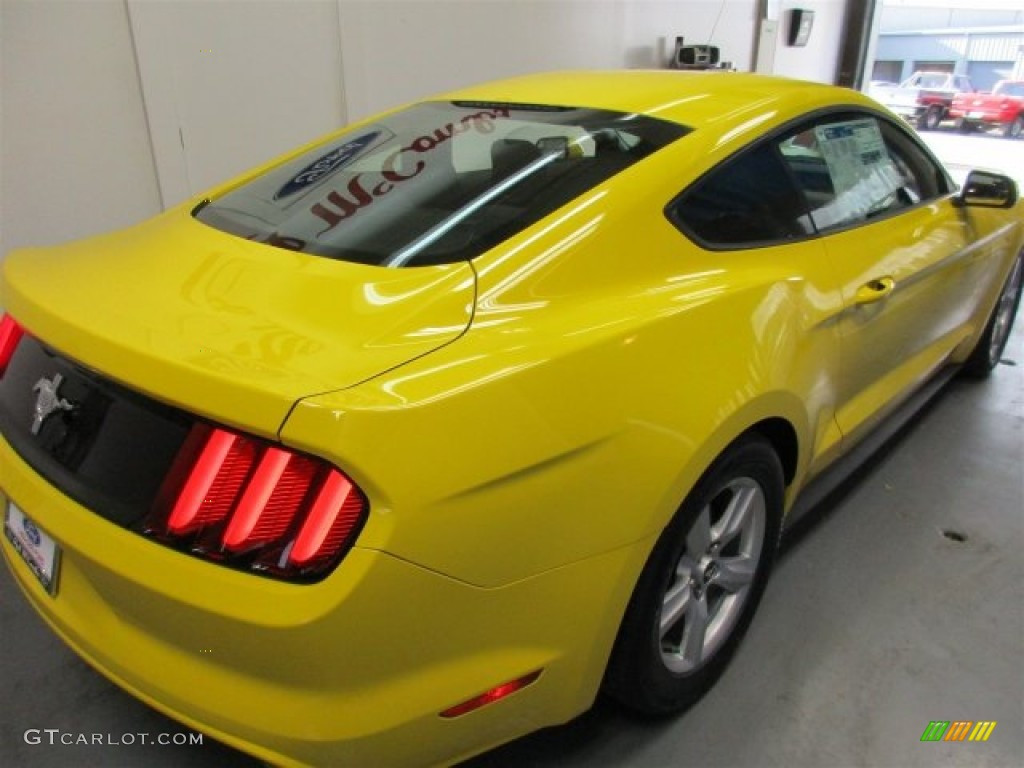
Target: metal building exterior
985	54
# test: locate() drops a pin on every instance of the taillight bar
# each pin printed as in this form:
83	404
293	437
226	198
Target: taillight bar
254	510
252	504
338	498
10	335
187	513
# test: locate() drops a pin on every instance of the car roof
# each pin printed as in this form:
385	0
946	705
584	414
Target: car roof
694	99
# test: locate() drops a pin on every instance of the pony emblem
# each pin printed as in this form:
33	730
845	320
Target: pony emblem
48	401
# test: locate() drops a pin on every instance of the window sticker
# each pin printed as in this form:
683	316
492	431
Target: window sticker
864	176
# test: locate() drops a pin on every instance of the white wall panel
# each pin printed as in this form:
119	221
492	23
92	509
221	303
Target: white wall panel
819	59
230	84
75	157
399	50
651	26
112	109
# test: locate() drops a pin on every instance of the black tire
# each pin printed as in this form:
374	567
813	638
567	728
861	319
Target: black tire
964	126
656	672
931	118
989	350
1014	128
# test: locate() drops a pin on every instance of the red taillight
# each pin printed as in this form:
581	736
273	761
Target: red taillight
336	509
256	505
10	335
272	499
213	483
489	697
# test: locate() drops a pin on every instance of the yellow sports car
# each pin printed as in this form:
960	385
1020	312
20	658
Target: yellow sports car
419	438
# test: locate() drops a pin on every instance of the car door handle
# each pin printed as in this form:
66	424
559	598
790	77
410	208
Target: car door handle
875	290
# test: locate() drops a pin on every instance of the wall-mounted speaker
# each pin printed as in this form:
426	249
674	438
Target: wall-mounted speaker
800	23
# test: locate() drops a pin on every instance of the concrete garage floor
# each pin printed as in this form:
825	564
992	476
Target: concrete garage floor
874	624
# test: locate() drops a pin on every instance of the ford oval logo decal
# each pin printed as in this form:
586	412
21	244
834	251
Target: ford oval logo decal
327	164
31	532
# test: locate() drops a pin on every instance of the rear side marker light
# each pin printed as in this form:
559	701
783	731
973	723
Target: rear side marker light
497	693
10	335
252	504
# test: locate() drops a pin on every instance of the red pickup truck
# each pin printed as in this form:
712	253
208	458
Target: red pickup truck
1003	108
924	98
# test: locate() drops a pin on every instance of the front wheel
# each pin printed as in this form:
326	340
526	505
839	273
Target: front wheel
702	583
989	351
1014	128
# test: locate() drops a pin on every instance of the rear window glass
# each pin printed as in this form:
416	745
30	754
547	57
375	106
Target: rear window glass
436	183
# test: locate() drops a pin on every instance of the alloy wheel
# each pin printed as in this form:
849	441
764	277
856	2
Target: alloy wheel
713	576
1002	322
1015	127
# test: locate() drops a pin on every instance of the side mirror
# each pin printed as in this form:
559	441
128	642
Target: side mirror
988	190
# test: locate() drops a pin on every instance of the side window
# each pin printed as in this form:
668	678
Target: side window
928	180
748	201
853	168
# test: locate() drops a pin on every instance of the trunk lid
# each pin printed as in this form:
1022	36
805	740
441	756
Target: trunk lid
226	328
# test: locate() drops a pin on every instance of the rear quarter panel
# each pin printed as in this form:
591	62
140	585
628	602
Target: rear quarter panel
609	361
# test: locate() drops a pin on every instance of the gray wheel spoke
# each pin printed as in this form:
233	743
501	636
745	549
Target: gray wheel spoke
699	538
677	602
737	515
686	567
735	573
692	647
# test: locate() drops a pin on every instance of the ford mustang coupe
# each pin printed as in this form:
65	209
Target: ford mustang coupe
420	437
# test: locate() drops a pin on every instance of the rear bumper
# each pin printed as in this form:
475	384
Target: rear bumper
908	111
975	117
352	671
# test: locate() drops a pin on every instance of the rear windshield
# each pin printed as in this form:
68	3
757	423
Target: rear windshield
436	183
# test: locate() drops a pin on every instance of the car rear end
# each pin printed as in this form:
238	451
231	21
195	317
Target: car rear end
974	110
1002	108
187	521
156	522
218	574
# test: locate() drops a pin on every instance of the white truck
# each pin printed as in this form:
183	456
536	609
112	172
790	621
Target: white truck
924	98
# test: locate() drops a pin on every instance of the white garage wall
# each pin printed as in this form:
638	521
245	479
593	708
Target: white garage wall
398	50
228	84
112	109
74	151
819	59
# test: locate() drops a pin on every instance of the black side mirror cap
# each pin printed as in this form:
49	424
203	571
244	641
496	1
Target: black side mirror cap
988	190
